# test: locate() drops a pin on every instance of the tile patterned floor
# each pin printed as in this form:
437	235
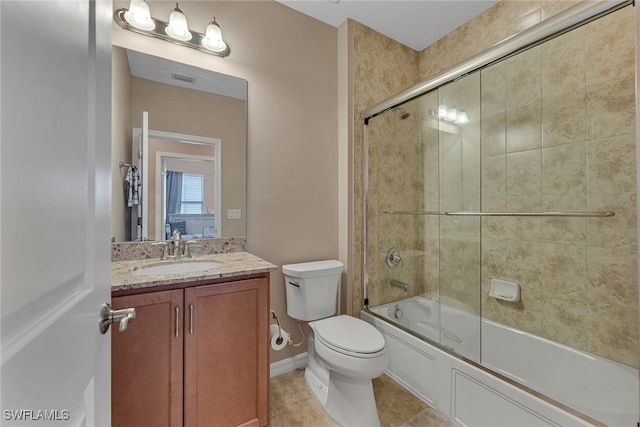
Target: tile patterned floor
293	405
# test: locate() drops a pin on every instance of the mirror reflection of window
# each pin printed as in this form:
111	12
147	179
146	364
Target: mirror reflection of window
192	194
189	195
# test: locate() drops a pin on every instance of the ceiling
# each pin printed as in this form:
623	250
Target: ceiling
414	23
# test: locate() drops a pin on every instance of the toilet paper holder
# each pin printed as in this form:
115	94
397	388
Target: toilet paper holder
280	338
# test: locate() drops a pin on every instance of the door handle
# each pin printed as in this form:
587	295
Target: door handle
109	316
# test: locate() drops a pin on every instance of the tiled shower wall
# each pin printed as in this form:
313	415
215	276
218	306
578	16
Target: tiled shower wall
381	68
395	163
558	134
578	276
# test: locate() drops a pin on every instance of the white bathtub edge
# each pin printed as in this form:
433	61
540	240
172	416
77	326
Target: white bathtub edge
463	392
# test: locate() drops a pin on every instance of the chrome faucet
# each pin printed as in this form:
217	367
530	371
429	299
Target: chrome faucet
175	248
398	284
176	244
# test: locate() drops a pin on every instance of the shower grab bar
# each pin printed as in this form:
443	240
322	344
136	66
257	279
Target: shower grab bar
535	214
414	213
560	214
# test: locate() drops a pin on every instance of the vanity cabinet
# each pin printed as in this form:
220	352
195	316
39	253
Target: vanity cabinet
147	361
194	356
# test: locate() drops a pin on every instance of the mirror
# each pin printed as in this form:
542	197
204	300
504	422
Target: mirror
193	140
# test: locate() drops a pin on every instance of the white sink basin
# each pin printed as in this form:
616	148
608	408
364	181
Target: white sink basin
175	268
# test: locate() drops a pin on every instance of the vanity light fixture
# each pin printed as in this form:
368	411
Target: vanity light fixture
177	28
139	16
138	19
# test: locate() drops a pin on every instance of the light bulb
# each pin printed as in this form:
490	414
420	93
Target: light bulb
442	111
177	27
139	16
452	114
213	37
462	118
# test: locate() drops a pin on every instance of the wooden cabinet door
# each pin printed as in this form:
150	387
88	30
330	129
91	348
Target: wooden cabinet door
227	355
147	361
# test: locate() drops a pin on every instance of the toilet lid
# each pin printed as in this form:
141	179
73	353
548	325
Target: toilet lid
350	334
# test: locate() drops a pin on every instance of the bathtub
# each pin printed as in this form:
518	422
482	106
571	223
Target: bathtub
599	388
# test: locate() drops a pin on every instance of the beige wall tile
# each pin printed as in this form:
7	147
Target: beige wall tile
494	177
494	227
528	229
524	171
613	276
571	231
611	164
613	332
563	169
611	109
524	128
564	319
604	63
493	89
553	7
494	134
527	21
563	65
617	232
523	79
563	118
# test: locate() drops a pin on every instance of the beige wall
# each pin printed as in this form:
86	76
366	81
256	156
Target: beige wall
290	63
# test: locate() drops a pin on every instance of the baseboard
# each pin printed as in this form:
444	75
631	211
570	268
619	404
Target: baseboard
288	365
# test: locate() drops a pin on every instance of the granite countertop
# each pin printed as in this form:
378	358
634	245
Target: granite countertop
233	264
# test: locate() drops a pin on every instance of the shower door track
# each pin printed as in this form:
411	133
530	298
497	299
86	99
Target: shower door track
555	26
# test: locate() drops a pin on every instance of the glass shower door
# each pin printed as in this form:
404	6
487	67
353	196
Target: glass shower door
459	184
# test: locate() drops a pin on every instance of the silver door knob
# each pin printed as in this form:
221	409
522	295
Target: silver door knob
109	316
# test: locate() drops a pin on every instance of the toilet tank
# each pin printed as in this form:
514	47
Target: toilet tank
312	289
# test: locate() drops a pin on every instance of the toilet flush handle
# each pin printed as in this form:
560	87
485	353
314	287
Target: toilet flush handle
297	285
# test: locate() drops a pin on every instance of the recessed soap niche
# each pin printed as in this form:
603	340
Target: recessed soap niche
505	290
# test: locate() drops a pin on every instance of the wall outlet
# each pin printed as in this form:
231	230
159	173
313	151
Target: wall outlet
234	214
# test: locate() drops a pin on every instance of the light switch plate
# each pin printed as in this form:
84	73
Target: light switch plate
234	214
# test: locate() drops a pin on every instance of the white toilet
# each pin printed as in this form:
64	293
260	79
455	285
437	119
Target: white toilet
343	353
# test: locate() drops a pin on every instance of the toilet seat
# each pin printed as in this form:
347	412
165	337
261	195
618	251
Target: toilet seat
350	336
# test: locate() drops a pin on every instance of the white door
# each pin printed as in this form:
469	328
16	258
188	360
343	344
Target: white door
140	212
55	188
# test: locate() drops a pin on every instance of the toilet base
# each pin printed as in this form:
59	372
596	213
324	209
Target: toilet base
318	388
349	401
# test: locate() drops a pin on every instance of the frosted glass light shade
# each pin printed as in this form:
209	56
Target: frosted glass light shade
178	28
442	111
213	37
462	118
139	15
